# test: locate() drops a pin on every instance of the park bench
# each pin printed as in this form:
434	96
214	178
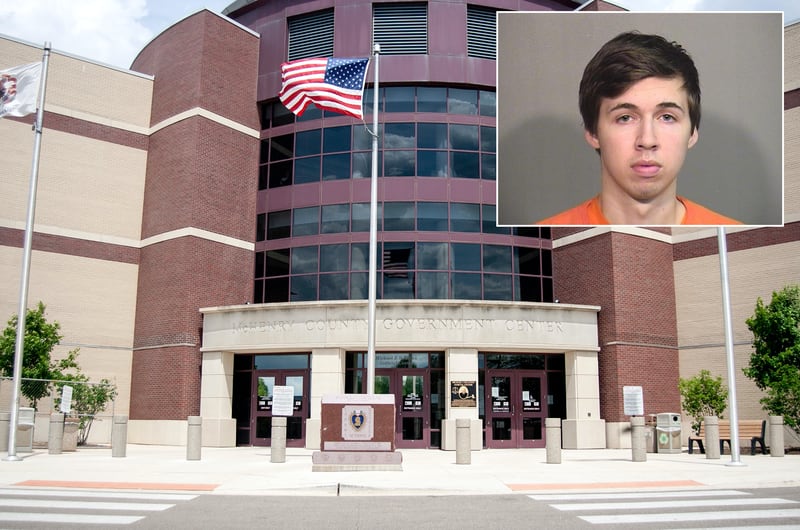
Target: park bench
752	429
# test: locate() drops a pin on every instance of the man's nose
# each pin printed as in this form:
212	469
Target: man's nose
647	138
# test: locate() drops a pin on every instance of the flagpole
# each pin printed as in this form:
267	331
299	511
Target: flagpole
26	263
373	232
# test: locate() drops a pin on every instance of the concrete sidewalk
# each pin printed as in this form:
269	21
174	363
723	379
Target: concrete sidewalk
248	470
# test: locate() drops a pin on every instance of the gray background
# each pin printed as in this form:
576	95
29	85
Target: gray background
544	164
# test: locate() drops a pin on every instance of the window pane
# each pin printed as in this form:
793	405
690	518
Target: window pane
336	139
306	221
336	167
432	135
261	258
463	101
398	259
359	256
526	260
304	259
333	257
258	292
362	165
398	216
399	163
399	99
497	287
335	218
360	217
276	290
547	289
278	262
464	165
488	139
432	216
304	288
311	113
496	258
488	103
362	140
281	148
466	256
529	288
278	224
547	262
398	287
431	99
261	226
306	170
466	286
464	137
263	154
488	220
399	136
308	142
465	217
432	285
488	167
432	163
333	287
280	174
359	286
432	256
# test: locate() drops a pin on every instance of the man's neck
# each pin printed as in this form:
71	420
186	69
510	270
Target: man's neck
625	210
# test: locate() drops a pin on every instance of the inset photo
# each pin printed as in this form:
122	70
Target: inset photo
643	119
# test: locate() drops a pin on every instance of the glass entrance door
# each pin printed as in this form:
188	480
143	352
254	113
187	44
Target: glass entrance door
264	382
412	407
514	408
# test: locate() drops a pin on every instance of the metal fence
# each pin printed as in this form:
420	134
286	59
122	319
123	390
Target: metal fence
95	426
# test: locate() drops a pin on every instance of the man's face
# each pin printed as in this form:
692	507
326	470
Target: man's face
643	136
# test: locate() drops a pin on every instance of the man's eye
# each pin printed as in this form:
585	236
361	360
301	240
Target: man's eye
668	117
625	118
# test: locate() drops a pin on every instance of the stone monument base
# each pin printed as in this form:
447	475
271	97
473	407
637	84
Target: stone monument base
357	461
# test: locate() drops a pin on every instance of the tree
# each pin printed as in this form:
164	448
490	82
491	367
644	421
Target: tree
88	399
703	395
775	361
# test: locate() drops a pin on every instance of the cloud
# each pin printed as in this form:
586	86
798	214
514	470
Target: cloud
108	31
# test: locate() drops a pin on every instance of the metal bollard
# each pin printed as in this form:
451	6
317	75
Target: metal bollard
55	436
5	421
638	442
119	437
194	438
463	442
711	424
277	453
552	435
776	436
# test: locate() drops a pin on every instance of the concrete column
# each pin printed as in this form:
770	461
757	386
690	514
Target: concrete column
711	424
55	436
463	449
194	437
775	435
638	442
119	437
5	421
277	452
552	435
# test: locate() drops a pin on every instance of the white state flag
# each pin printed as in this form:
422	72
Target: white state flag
19	89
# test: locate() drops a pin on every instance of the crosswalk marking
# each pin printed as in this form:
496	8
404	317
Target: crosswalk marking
84	505
670	504
72	518
636	495
672	517
147	496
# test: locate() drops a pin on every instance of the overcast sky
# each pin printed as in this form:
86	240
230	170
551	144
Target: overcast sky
114	31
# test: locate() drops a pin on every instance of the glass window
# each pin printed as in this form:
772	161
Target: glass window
333	287
336	139
261	226
399	163
291	361
263	177
280	174
398	216
308	142
397	286
306	170
462	101
258	292
304	259
464	137
359	256
489	220
312	113
465	286
398	276
496	258
488	167
547	262
336	167
360	217
333	257
278	224
488	139
465	217
547	289
276	290
281	148
528	288
464	165
263	154
432	135
306	221
399	99
431	99
362	165
432	216
304	288
359	286
432	285
362	140
497	287
466	256
432	163
432	256
335	218
261	258
526	261
488	103
398	136
277	262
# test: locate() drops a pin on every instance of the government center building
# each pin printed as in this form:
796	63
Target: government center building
201	244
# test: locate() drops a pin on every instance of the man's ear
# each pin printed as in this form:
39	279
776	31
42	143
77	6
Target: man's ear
591	139
693	138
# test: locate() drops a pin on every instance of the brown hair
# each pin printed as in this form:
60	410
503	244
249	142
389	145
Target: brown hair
627	59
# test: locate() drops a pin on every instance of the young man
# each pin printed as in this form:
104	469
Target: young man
640	103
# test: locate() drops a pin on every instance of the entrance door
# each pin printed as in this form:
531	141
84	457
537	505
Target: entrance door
412	422
515	409
264	382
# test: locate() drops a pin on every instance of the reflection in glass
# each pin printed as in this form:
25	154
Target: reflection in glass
333	286
432	285
304	288
465	217
497	287
432	255
336	139
496	258
306	221
333	257
432	216
432	163
432	135
336	167
398	216
464	137
399	136
488	167
466	256
431	99
399	163
462	101
464	165
466	286
335	218
277	262
306	170
399	99
304	259
308	142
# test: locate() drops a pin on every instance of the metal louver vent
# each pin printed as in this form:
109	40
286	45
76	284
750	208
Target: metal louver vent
481	32
311	35
400	29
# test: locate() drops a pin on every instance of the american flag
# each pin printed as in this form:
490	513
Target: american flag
331	84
